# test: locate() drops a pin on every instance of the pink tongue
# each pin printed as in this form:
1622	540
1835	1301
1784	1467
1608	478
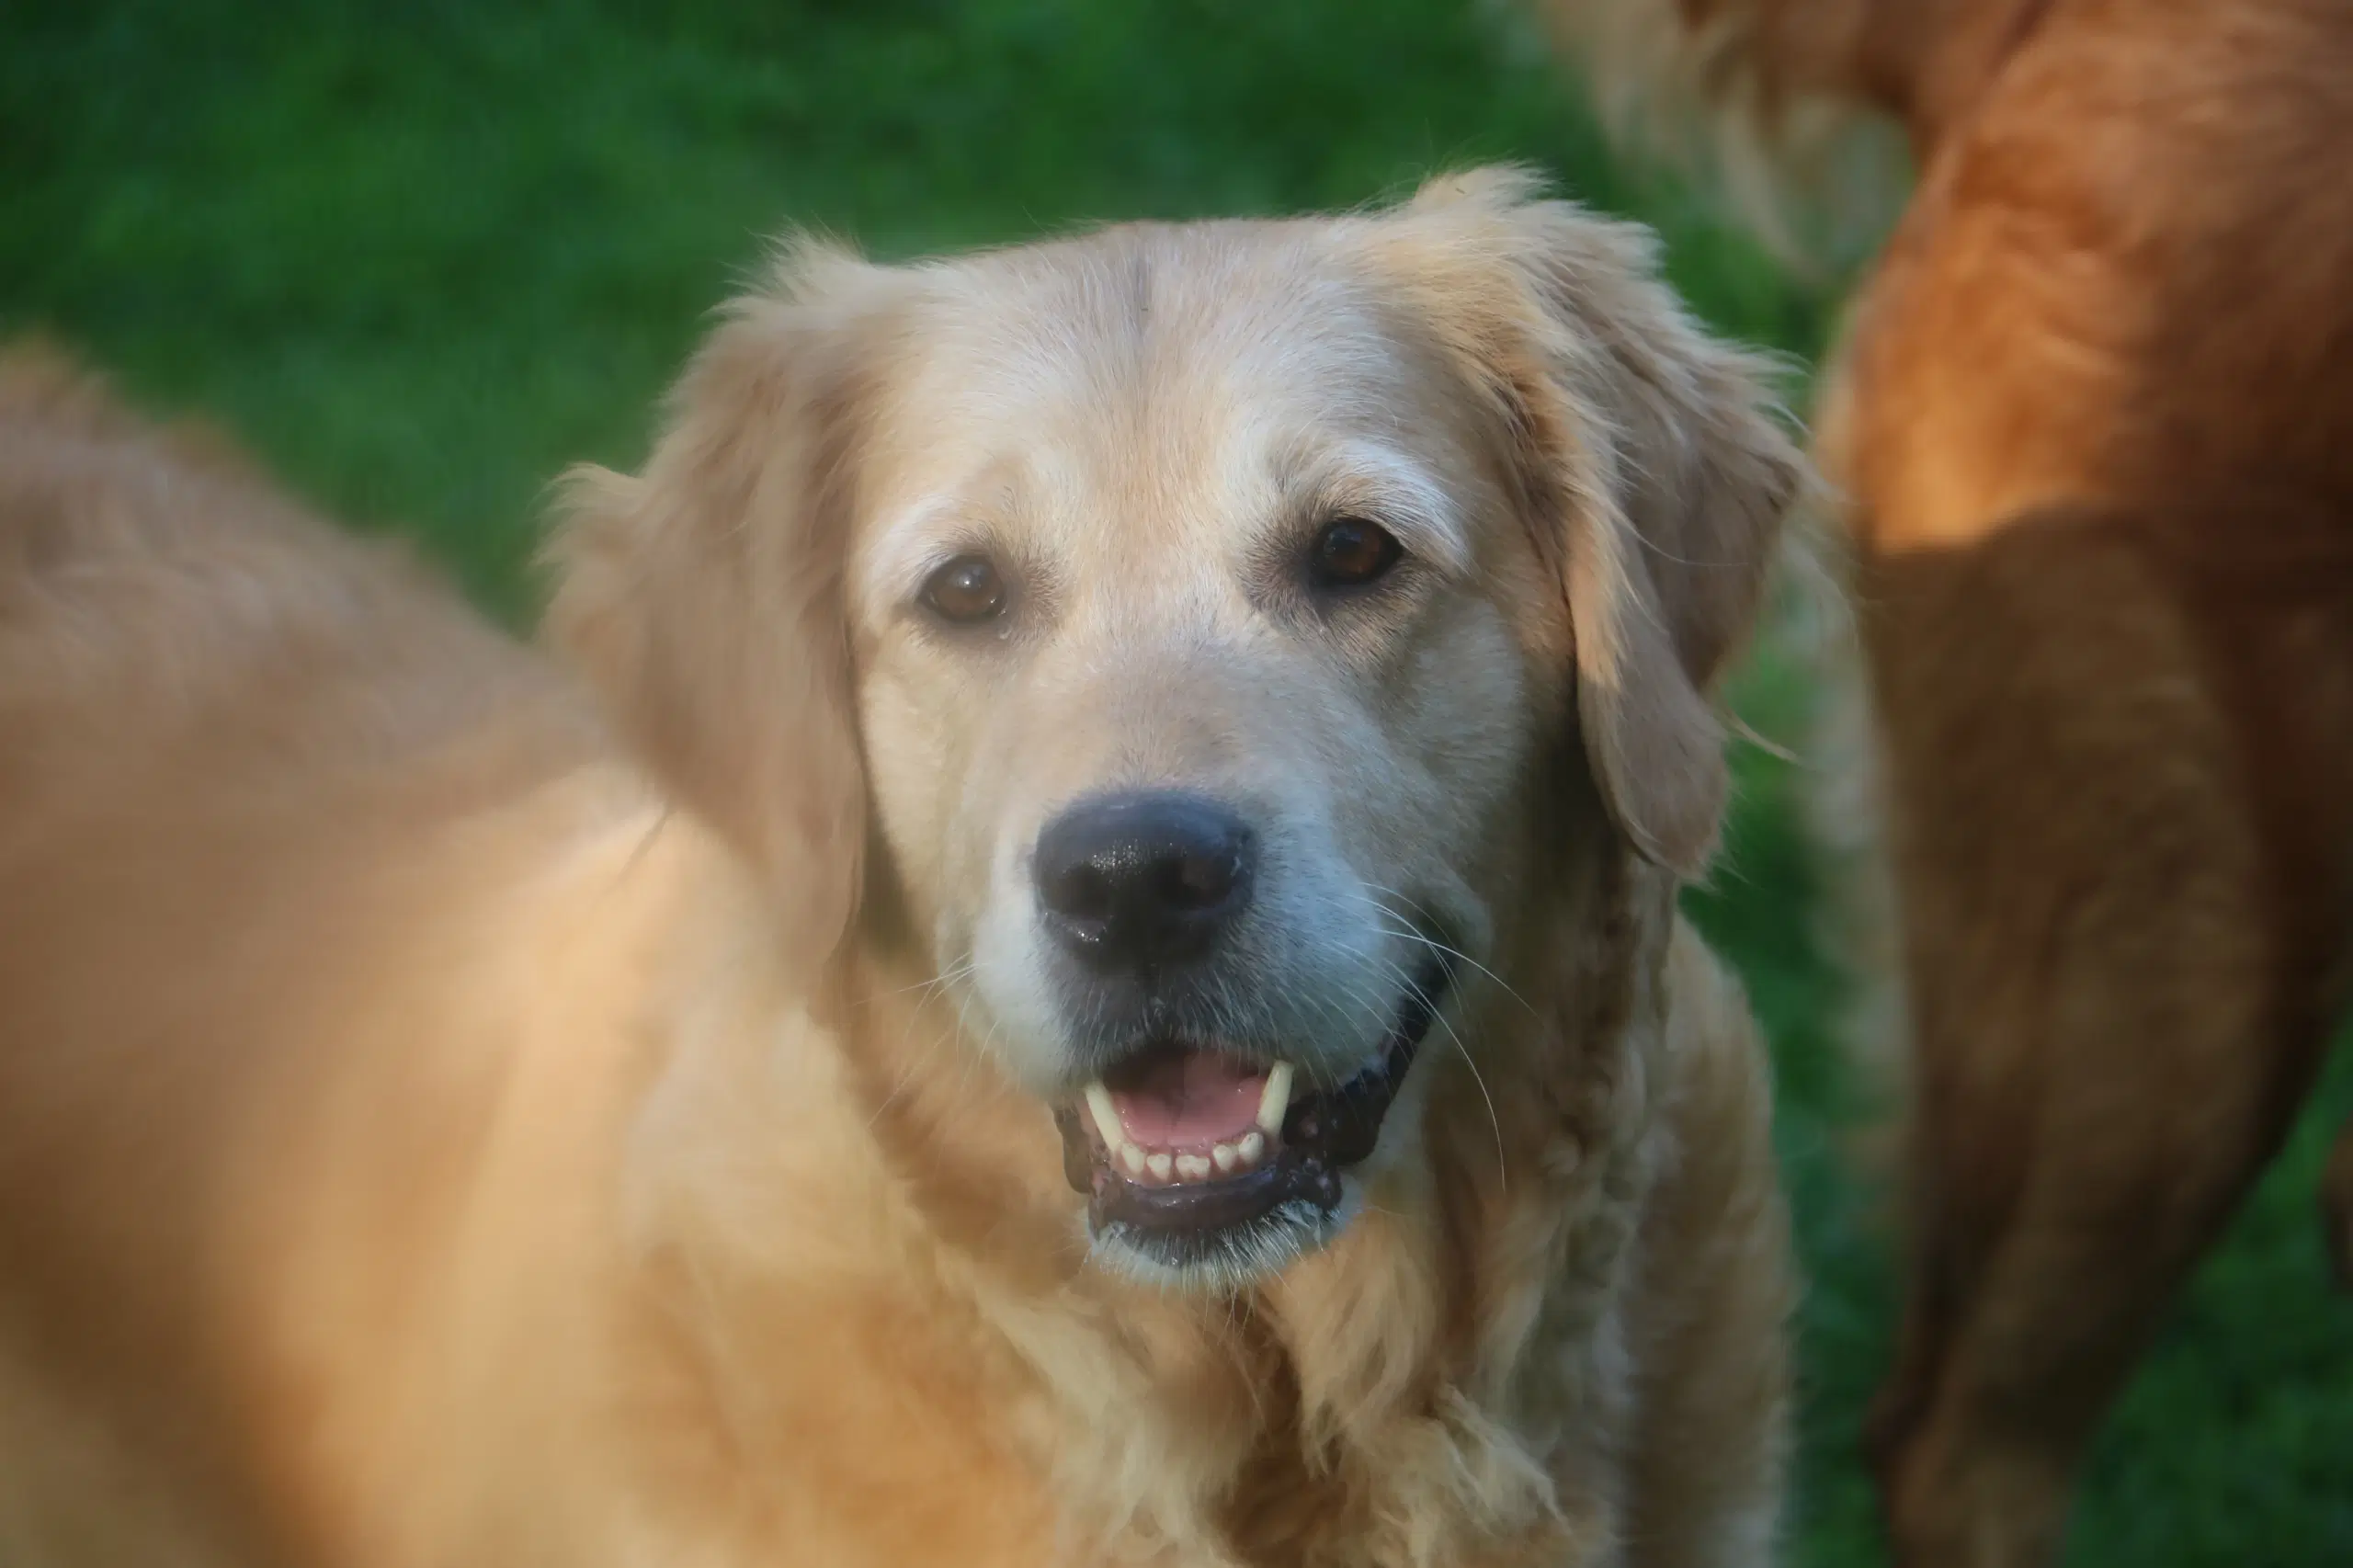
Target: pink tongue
1190	1100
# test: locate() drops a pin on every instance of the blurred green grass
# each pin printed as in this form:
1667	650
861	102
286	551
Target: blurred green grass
422	255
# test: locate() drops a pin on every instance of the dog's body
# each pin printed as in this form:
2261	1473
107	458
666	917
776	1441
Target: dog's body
2094	420
422	1144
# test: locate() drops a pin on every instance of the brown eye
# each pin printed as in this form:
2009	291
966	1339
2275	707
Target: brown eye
965	592
1352	552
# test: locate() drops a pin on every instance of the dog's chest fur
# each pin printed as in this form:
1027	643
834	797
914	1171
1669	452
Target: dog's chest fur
1446	1383
1443	1385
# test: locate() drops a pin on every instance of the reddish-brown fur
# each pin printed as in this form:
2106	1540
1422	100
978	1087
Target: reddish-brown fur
2093	418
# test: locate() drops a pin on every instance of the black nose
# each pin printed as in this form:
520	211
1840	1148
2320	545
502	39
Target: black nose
1133	882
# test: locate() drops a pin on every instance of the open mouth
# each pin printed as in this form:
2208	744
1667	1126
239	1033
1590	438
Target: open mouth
1186	1152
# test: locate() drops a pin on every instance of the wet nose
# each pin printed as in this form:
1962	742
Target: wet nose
1132	883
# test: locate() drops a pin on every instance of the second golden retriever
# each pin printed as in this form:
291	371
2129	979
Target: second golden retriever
2093	415
1115	994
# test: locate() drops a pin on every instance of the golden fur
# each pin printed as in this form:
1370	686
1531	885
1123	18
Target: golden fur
427	1139
2094	420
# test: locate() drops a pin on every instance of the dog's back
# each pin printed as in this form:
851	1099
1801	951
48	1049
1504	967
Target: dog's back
152	585
264	790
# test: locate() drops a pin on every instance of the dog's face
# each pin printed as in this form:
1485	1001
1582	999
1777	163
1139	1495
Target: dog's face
1188	695
1192	616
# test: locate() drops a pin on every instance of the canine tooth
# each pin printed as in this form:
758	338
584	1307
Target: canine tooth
1105	1114
1226	1157
1253	1147
1159	1166
1132	1158
1275	1099
1192	1167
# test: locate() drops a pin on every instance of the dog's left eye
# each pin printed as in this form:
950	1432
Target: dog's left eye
1352	552
967	591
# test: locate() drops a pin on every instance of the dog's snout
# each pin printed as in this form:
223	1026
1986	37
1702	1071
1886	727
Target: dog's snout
1133	882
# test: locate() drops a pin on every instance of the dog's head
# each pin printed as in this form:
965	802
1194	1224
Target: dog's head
1185	624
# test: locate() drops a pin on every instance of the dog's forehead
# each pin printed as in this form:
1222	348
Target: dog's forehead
1175	375
1149	310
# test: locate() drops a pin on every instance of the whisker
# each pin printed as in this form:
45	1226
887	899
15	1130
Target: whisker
1437	1016
944	978
1407	931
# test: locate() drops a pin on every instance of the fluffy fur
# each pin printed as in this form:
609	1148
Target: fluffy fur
452	1115
2091	417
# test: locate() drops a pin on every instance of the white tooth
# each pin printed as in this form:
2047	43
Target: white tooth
1132	1158
1160	1165
1105	1114
1226	1157
1192	1167
1251	1148
1275	1099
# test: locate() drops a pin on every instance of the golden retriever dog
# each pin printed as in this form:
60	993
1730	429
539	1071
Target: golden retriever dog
1090	975
2093	421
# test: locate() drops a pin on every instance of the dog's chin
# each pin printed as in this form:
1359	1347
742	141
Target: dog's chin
1206	1165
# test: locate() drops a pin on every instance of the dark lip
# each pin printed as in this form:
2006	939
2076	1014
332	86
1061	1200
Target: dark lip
1323	1134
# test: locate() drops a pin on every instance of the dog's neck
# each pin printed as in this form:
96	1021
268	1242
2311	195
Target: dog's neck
1397	1352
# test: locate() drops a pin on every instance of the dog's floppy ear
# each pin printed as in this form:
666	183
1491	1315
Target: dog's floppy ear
1651	461
704	598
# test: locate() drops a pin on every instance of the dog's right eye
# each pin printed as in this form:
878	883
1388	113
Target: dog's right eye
1353	553
967	591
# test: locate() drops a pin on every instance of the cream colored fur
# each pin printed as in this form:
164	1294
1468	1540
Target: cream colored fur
453	1116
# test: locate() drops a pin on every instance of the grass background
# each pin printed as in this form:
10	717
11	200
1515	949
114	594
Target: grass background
421	255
